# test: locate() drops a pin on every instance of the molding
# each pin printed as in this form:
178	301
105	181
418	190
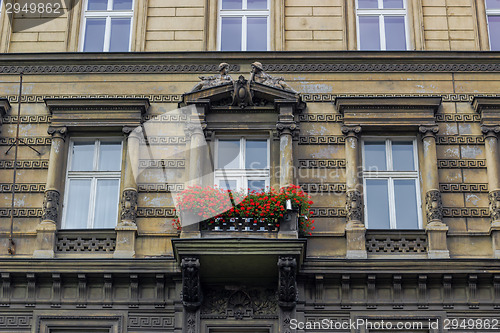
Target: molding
174	163
160	187
488	108
29	140
321	140
24	188
25	164
459	139
466	212
323	188
460	187
328	211
22	212
322	164
380	67
155	212
454	164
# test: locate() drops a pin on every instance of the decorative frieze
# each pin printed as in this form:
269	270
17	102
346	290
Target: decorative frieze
323	188
161	187
21	212
320	117
465	212
25	164
459	140
163	140
28	140
174	163
23	188
321	140
150	321
154	212
164	118
287	285
462	187
28	119
16	321
322	164
454	164
458	117
328	212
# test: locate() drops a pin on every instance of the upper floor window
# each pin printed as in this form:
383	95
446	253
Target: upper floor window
382	24
493	15
391	183
107	26
242	163
92	184
243	25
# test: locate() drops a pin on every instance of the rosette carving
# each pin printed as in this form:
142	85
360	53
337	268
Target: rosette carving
433	206
50	206
354	206
129	206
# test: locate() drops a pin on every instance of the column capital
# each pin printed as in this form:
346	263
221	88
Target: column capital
351	130
428	131
58	131
192	128
290	128
490	131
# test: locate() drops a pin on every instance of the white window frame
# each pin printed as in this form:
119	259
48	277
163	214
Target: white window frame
490	12
244	13
241	175
106	14
94	176
391	175
381	13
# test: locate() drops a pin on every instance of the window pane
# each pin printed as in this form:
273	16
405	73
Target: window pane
97	5
256	154
369	33
367	3
256	185
494	30
231	4
94	35
120	35
493	4
393	4
77	211
377	202
229	154
106	204
83	156
395	37
406	204
231	34
228	184
375	156
257	34
257	4
122	4
110	156
402	156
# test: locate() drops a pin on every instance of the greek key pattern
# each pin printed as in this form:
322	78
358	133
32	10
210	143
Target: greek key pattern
323	188
321	164
28	119
177	164
29	140
25	164
389	67
172	98
474	188
161	187
16	321
165	118
164	140
23	188
321	140
465	212
454	164
453	117
151	322
21	212
328	212
321	117
59	69
459	140
155	212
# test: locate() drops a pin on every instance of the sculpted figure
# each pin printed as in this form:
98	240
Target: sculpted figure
258	75
212	81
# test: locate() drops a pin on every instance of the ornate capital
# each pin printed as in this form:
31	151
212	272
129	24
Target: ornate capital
127	129
433	206
490	131
287	288
50	206
428	131
191	287
494	198
193	128
354	206
129	207
58	131
351	131
290	128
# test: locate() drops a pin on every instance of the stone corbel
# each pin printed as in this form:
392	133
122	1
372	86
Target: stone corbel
192	296
287	288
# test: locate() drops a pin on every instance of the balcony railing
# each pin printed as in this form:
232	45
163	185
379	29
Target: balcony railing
74	241
396	242
239	224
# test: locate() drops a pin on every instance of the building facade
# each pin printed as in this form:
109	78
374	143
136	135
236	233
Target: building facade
385	112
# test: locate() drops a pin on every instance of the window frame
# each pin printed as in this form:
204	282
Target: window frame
244	13
94	176
242	175
490	12
381	12
391	175
107	15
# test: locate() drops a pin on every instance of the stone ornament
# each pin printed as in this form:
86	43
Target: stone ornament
191	286
258	75
490	131
428	130
433	206
50	206
287	288
129	207
494	198
354	206
351	131
213	81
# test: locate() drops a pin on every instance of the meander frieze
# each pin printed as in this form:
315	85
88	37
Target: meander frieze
456	163
321	140
25	164
161	187
23	188
34	212
320	163
461	187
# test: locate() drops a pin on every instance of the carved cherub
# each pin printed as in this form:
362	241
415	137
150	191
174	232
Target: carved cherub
258	75
212	81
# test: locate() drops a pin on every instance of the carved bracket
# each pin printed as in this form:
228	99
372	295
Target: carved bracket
494	198
354	206
287	288
50	206
191	287
129	207
433	206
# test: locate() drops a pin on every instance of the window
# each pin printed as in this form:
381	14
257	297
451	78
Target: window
493	15
92	184
107	25
243	25
382	24
242	164
391	183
